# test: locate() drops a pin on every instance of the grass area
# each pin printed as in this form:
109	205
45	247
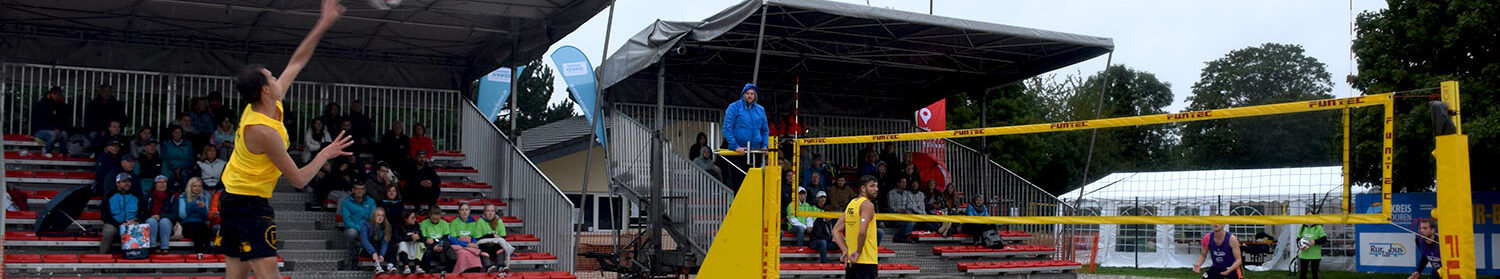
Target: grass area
1274	274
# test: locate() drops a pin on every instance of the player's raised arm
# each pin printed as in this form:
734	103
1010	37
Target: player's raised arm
330	14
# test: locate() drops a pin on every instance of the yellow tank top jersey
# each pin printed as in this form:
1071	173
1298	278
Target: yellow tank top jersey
252	174
851	232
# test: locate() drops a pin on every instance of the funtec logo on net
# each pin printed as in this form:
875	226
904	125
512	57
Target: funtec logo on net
1387	250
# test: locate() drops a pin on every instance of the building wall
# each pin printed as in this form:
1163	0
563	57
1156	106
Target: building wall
567	172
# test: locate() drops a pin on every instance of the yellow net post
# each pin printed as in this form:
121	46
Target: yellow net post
1455	211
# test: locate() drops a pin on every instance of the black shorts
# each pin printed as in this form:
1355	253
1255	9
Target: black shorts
248	227
1213	273
861	271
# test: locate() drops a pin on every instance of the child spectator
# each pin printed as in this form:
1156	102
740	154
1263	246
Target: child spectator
492	241
375	238
409	250
439	257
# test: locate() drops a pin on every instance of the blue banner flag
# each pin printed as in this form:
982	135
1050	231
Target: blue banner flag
494	89
578	73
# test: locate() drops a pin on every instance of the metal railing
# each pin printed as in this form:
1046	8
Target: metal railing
154	99
695	198
544	210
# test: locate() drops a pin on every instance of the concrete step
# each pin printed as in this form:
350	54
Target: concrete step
321	254
330	274
305	244
313	267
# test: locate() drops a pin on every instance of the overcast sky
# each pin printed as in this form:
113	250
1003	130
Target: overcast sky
1171	39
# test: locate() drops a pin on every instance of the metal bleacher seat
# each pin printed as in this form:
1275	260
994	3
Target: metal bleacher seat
801	252
980	251
113	261
835	269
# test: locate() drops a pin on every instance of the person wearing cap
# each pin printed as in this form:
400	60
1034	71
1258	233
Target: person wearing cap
821	236
800	226
51	119
123	207
126	165
105	163
160	207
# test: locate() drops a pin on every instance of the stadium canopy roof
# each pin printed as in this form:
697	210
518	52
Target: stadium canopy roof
421	43
851	59
1208	186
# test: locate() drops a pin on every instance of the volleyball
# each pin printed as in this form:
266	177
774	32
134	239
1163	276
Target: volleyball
1302	243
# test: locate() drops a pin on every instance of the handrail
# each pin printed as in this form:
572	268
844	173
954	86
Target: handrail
546	210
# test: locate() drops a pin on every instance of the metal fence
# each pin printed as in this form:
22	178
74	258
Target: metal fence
544	210
696	198
154	99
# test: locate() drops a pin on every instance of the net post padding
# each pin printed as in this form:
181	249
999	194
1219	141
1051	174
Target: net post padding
1383	217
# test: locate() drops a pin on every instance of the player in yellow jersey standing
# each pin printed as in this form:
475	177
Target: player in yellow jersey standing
248	233
857	228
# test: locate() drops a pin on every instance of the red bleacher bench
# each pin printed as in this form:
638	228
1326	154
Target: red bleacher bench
980	251
802	252
113	261
533	259
930	236
1044	266
836	269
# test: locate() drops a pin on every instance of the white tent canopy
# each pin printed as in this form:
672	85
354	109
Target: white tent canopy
1291	189
1210	186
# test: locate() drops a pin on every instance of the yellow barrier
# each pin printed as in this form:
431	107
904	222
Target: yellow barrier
1127	220
748	230
1454	211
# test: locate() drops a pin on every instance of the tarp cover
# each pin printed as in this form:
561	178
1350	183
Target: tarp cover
851	59
421	43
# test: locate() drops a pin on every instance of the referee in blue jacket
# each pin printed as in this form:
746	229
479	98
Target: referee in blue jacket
745	127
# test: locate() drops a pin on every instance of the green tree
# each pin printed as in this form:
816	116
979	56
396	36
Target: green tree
1416	44
1265	74
533	90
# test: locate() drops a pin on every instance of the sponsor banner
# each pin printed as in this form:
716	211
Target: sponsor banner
1391	248
494	89
579	75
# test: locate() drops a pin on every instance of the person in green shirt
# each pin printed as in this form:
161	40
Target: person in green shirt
1310	241
464	225
800	226
496	251
435	231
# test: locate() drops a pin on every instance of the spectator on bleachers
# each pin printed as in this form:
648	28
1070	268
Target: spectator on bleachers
698	143
224	137
345	126
216	106
390	200
203	120
375	238
123	207
126	166
395	145
103	109
143	135
423	185
213	209
468	259
492	241
817	166
419	140
788	186
820	237
977	208
113	131
438	258
148	165
871	165
905	201
362	128
210	168
409	249
192	214
909	171
106	163
355	210
332	115
383	176
322	184
816	183
888	155
800	226
840	194
161	206
51	120
315	138
463	226
185	121
177	157
704	159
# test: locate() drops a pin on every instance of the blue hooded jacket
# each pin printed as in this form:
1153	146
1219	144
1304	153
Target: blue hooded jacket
746	123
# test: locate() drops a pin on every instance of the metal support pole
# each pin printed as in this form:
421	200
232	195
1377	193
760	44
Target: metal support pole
1137	234
1094	134
759	39
658	170
599	119
4	188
